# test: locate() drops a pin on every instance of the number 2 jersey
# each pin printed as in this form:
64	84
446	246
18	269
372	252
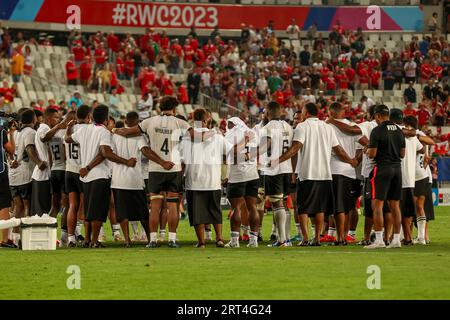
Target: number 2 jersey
165	133
56	145
280	134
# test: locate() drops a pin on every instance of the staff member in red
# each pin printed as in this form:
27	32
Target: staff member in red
387	148
71	72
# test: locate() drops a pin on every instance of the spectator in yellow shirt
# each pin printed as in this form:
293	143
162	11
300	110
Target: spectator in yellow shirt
17	65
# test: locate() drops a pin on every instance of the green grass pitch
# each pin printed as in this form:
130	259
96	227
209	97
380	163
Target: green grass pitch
418	272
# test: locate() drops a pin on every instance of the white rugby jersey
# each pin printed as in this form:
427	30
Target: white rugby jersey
124	177
244	170
73	157
367	163
22	174
144	161
280	134
56	145
257	130
43	152
421	172
165	133
203	161
314	159
412	146
90	138
348	143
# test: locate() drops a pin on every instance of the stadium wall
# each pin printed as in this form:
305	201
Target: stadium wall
54	15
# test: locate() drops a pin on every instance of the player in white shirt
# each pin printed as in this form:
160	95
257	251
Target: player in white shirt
203	158
243	181
127	183
422	186
97	184
313	142
21	168
41	188
408	165
276	138
165	132
345	184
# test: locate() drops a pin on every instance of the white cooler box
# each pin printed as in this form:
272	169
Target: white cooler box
38	233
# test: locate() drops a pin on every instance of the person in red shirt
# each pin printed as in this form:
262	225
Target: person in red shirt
71	71
188	51
120	66
164	42
168	86
409	110
209	48
113	45
79	53
436	70
278	96
143	40
129	68
52	105
145	77
342	80
423	116
182	94
100	56
177	47
425	71
199	58
375	77
85	71
363	74
351	74
330	82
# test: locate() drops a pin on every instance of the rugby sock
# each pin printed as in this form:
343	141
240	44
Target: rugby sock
253	237
313	230
274	229
172	236
332	232
208	234
421	222
16	238
135	227
288	225
245	229
101	233
352	233
72	239
78	227
396	237
153	236
64	235
162	234
378	236
280	221
115	228
234	237
299	228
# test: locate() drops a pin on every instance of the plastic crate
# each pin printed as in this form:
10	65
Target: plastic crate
38	233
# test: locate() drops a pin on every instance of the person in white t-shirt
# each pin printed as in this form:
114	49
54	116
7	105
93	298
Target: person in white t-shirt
275	139
408	166
203	158
41	189
345	184
243	181
22	167
165	132
313	142
96	183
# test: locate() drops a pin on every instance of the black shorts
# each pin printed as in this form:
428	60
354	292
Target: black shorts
58	181
73	183
23	191
315	197
204	207
122	199
243	189
429	206
407	204
344	193
146	186
386	183
5	194
41	197
279	184
165	182
421	188
367	202
97	196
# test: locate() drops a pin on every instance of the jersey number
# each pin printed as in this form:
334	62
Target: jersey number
165	146
73	151
56	152
285	145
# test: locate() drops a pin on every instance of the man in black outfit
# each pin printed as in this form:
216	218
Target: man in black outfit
387	148
6	146
193	82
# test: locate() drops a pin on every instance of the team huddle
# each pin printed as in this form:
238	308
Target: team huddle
140	171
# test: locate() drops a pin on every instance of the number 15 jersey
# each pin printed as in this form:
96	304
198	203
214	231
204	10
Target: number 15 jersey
164	133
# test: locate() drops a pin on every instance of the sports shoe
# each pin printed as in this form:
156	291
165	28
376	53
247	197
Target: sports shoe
8	244
245	237
252	244
372	237
97	245
314	243
340	243
80	238
200	245
102	238
71	244
420	241
220	244
303	243
350	239
127	245
273	237
275	244
173	244
407	242
364	243
86	244
375	245
296	238
428	241
232	245
152	245
328	238
260	237
394	245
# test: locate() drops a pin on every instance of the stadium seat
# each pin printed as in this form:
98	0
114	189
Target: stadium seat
17	103
132	98
21	90
49	95
100	98
123	98
378	93
246	1
398	93
215	116
188	108
180	110
32	95
407	37
374	37
317	2
368	93
269	1
385	37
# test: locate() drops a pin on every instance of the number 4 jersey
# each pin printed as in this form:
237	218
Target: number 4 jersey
165	133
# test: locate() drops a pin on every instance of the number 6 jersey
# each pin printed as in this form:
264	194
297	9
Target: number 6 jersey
165	133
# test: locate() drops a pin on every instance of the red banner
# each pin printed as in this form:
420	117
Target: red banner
165	15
